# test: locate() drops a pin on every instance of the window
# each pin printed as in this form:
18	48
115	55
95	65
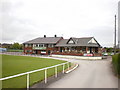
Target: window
37	45
28	51
26	45
45	45
34	45
29	45
33	51
41	45
50	45
83	48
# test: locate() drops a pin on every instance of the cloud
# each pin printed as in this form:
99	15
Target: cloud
23	20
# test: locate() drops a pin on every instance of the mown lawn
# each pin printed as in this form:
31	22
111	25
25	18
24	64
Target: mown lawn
12	65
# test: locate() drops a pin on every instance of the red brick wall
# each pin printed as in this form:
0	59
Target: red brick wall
28	48
38	51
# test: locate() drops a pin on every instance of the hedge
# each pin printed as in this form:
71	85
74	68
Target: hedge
14	50
116	63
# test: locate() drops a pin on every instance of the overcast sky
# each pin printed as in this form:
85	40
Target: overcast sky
23	20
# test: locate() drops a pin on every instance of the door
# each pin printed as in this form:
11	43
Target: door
60	49
90	50
49	52
35	52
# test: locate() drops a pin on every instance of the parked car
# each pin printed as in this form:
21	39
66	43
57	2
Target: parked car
105	54
112	54
86	54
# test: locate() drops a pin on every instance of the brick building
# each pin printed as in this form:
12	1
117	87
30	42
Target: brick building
58	45
42	45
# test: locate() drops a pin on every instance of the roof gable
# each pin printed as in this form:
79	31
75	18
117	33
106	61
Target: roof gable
79	42
93	41
70	41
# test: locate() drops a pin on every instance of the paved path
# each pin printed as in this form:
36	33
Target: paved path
90	74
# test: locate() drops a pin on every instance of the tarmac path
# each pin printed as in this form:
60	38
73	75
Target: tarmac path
89	74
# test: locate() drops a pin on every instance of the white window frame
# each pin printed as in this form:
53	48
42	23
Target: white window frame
26	45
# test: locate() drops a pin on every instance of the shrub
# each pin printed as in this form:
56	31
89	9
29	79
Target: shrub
116	63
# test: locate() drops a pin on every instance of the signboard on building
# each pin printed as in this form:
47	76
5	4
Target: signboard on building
39	48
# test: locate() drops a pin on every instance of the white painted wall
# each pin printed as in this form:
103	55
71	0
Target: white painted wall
78	57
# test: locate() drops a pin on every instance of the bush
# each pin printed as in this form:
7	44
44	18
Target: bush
116	63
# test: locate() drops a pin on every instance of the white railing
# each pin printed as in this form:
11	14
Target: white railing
28	73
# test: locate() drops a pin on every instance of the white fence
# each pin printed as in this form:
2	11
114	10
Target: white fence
28	73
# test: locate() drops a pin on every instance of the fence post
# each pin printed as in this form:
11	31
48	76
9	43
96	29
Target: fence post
45	75
56	71
63	67
28	81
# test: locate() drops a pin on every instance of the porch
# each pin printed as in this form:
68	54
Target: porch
78	51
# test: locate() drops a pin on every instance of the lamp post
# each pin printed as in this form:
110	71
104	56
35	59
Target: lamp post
115	38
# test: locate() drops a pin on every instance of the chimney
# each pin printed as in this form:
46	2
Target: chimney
44	36
55	35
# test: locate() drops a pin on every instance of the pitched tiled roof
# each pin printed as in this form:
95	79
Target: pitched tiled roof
45	40
78	42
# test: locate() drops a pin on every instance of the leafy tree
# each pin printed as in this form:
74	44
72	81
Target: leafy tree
20	46
109	49
16	46
6	45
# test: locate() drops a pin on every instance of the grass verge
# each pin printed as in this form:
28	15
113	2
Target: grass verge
116	63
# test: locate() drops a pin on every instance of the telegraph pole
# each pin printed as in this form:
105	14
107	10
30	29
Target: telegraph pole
115	37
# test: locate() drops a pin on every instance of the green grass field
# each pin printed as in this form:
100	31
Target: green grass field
12	65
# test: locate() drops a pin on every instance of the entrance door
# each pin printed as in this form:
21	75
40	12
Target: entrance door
90	50
60	49
96	50
35	52
49	52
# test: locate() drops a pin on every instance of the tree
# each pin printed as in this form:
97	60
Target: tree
6	45
109	49
0	45
16	46
20	46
